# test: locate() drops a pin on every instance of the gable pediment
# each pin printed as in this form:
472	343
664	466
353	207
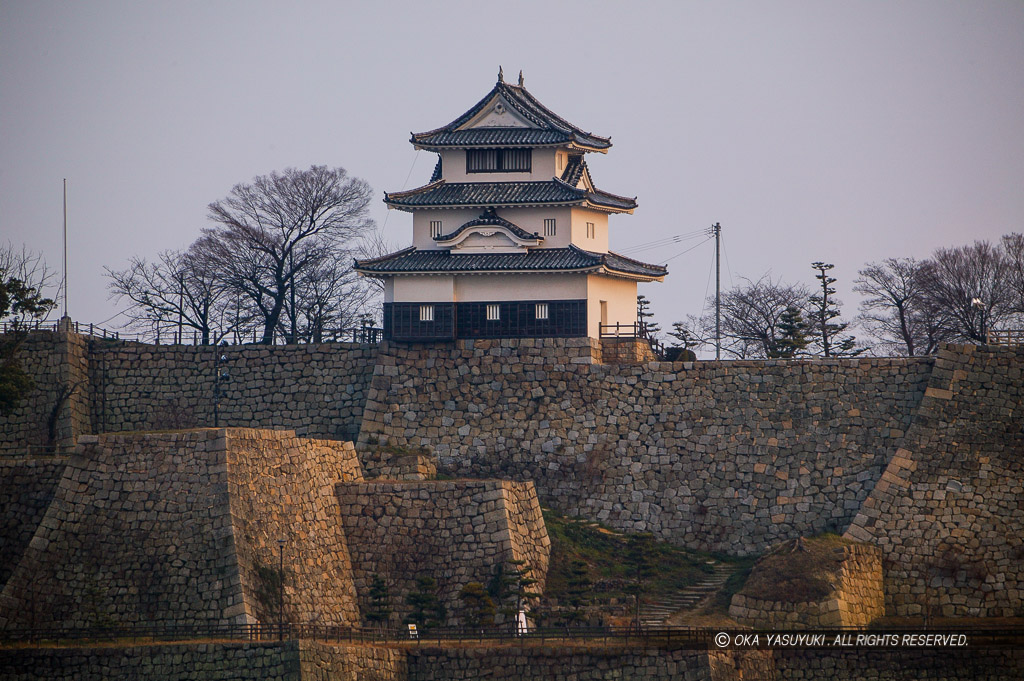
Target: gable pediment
497	113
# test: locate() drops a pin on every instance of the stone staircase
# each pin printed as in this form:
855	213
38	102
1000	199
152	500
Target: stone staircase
656	612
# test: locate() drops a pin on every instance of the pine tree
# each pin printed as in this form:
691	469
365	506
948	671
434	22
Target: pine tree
427	610
478	608
577	591
825	310
380	602
649	329
792	334
510	587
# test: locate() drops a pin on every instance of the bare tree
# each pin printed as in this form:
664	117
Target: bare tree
1013	250
34	276
273	230
751	316
896	311
968	285
179	291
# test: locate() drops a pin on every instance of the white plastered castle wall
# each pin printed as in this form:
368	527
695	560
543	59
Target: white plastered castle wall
542	168
619	296
501	287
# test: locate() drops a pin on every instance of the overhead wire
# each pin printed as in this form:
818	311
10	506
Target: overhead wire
405	184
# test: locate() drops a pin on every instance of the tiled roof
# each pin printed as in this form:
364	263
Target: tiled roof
574	170
463	194
489	217
527	106
436	175
505	137
416	261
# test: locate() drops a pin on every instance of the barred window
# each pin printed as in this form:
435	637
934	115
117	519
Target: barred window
498	160
590	230
435	229
549	226
493	312
426	313
540	311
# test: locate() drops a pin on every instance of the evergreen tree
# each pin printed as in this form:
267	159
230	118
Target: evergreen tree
577	591
510	588
427	610
649	328
380	602
478	608
826	309
792	334
640	558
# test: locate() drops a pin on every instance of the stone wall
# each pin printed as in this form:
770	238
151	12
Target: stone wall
184	662
282	487
730	456
27	486
454	531
905	664
57	410
318	390
182	528
855	599
948	512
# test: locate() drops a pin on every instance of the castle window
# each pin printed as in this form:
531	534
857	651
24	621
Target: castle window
493	312
549	226
435	229
540	311
426	313
590	230
498	160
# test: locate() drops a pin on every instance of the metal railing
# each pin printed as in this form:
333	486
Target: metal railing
365	334
670	637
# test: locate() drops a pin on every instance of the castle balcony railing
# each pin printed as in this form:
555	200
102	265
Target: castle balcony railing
633	331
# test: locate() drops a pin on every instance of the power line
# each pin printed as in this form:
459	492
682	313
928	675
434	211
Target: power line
678	238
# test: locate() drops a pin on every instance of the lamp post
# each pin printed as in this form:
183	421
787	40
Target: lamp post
220	380
280	592
979	305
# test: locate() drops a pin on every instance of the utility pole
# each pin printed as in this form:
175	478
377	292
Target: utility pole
65	247
717	230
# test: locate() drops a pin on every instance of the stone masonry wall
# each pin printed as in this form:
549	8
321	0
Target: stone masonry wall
175	528
282	487
318	390
730	456
454	531
855	601
948	512
27	486
905	664
184	662
57	410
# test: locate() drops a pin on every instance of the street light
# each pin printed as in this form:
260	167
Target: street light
977	303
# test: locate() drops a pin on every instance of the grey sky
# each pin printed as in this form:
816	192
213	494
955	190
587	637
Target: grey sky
837	131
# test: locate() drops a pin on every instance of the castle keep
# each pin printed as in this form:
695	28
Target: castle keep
510	236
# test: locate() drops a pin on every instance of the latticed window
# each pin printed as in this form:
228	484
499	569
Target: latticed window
540	311
590	230
498	160
426	313
493	312
549	226
435	229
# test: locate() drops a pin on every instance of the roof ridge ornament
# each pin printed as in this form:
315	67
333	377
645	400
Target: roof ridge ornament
501	75
520	78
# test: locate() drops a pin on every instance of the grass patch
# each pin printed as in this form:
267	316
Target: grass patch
797	571
604	552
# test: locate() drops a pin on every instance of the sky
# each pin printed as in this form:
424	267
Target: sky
846	132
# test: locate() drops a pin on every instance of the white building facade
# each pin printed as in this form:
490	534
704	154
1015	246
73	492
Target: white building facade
510	236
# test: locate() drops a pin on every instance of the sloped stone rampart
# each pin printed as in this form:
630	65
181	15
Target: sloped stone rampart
948	511
855	600
182	527
27	486
730	456
454	531
282	487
